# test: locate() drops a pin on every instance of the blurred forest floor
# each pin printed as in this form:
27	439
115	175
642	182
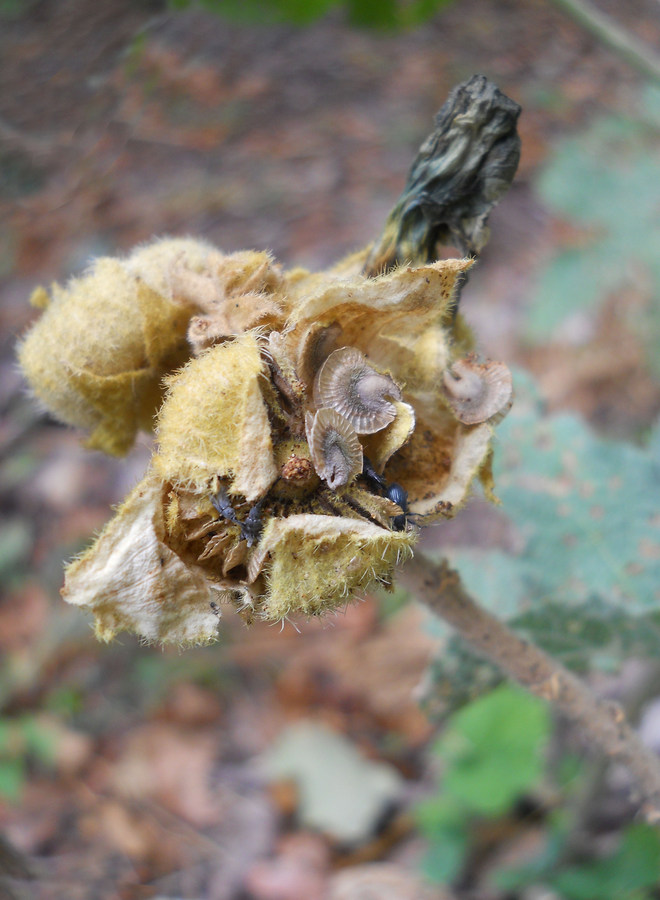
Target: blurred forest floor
130	772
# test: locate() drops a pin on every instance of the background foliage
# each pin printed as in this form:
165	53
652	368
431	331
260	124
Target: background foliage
383	14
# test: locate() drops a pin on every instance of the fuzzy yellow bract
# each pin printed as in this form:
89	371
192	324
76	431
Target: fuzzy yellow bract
304	435
214	422
97	356
317	563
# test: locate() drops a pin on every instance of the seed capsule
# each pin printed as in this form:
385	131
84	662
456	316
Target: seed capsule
478	392
334	446
347	383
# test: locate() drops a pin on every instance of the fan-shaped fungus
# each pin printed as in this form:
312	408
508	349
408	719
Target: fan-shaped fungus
334	446
477	392
347	383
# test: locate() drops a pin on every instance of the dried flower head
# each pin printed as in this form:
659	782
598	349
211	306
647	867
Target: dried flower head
259	494
304	420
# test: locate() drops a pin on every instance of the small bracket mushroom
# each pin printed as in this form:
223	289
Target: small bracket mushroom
347	383
478	392
334	447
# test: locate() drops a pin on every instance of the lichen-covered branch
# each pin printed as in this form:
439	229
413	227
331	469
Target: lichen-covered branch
602	723
463	168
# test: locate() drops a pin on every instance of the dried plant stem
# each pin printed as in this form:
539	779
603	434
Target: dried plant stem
601	722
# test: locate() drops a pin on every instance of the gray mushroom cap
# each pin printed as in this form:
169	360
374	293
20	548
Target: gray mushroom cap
347	383
478	392
334	447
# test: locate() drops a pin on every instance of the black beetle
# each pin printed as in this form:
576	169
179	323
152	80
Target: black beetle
251	528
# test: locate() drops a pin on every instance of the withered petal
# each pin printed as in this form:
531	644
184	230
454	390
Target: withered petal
317	563
132	581
214	422
382	445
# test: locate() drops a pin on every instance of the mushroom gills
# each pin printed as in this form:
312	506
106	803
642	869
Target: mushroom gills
347	383
334	447
478	392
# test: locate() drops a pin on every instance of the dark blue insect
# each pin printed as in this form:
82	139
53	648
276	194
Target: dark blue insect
251	528
393	492
398	495
378	483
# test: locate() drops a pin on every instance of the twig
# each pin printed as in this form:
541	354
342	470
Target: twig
582	803
640	56
602	723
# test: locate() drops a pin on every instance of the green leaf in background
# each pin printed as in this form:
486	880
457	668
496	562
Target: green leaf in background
492	753
444	859
585	580
370	13
262	12
493	750
606	180
12	779
384	14
628	874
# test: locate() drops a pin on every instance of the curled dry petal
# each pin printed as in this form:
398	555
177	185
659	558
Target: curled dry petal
346	382
232	318
197	273
386	317
97	355
382	446
317	343
477	392
334	446
132	581
157	262
464	462
285	376
214	422
231	292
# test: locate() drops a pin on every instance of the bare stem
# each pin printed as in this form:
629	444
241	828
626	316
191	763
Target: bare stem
637	54
601	722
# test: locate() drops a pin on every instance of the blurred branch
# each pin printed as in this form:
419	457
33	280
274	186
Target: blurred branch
602	723
462	170
15	870
583	804
639	55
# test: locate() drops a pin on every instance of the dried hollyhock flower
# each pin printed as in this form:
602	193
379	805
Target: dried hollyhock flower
256	494
304	420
